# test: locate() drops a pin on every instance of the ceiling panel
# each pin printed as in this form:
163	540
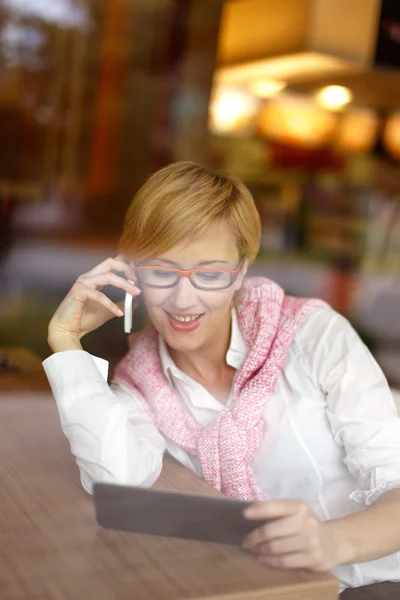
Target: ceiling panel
252	29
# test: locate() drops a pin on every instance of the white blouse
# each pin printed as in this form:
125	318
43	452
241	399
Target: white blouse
332	433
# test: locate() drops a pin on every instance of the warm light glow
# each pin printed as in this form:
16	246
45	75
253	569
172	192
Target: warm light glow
266	88
391	135
232	110
296	120
288	68
333	97
357	131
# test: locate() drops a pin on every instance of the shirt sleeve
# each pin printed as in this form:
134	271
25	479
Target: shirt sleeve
360	406
110	435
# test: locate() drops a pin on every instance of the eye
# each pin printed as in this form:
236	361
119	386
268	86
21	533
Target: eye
210	275
162	273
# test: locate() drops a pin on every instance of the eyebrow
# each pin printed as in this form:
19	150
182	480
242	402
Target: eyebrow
204	263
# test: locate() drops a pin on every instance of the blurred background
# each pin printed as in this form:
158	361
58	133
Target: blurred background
299	98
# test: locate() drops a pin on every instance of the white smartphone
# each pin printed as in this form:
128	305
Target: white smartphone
128	313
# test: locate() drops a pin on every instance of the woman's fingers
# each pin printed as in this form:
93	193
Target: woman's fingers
109	278
283	545
83	294
113	264
276	528
291	560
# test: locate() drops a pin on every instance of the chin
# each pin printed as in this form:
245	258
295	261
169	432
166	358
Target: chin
185	342
179	341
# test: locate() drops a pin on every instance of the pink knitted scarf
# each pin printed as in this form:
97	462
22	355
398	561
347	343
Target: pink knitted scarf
226	448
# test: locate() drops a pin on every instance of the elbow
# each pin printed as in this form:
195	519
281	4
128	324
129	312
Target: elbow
150	470
87	483
143	472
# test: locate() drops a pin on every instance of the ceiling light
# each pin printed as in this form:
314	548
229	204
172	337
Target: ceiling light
266	88
357	130
232	110
297	121
333	97
391	135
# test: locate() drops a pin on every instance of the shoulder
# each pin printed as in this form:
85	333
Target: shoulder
323	324
324	339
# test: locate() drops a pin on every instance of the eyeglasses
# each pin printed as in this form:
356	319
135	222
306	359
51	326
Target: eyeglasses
201	278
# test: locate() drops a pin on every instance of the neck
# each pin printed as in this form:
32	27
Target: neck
208	361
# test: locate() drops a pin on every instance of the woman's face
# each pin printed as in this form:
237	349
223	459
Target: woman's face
216	249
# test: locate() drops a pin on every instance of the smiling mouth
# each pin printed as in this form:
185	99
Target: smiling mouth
184	318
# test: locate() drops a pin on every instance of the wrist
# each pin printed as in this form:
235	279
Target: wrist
60	342
341	542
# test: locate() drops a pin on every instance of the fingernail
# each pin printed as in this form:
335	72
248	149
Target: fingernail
120	313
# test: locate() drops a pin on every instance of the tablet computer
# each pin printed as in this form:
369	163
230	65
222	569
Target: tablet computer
172	514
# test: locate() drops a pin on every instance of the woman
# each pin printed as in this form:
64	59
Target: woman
267	397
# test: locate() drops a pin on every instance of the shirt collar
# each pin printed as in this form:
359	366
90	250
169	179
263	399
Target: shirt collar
234	357
237	348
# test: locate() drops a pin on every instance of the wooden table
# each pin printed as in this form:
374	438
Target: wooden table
29	377
52	548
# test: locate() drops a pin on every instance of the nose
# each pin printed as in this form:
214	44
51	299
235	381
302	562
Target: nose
184	295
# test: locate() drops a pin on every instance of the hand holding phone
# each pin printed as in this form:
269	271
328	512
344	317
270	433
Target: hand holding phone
86	307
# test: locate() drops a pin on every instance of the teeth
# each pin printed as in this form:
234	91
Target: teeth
184	319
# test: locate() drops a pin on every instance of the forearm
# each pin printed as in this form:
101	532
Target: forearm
110	436
109	447
370	534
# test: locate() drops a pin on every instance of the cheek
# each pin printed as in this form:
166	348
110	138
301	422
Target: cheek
218	301
154	298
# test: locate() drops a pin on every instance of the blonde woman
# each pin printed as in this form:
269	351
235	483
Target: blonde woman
267	397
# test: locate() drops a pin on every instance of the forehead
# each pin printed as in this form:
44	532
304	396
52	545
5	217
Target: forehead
218	242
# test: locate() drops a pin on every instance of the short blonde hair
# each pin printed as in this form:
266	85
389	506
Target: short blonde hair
180	202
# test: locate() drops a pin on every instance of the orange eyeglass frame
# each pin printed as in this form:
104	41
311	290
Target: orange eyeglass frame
188	273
